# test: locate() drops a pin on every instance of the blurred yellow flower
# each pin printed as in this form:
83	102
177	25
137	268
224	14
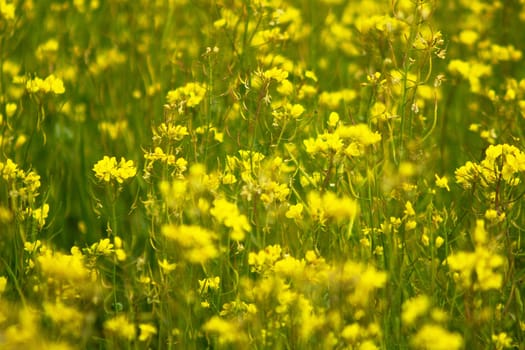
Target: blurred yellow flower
435	337
120	326
166	266
147	330
442	182
7	10
3	284
414	308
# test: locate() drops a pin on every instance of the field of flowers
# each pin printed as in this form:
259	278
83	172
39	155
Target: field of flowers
262	174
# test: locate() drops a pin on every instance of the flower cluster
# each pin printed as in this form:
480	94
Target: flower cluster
501	163
228	214
479	269
187	96
348	140
107	169
51	84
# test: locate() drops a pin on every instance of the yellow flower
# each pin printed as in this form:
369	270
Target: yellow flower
310	75
435	337
120	254
166	266
102	247
120	326
228	214
478	268
54	85
285	87
189	95
352	333
47	49
104	168
502	340
442	182
64	267
7	10
333	119
198	243
147	330
3	283
125	170
69	319
172	132
264	259
276	74
329	205
410	225
51	84
468	37
114	130
227	331
108	169
295	212
409	210
40	215
493	215
414	308
209	283
10	109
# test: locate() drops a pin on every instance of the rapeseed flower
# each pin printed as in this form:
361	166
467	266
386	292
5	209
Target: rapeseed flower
213	283
478	269
171	131
227	331
47	50
7	10
442	182
295	211
105	168
64	267
435	337
329	206
108	169
189	95
3	284
468	37
229	215
67	318
502	341
502	162
147	330
106	59
10	109
264	259
414	308
50	84
114	130
197	242
40	215
120	326
166	266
